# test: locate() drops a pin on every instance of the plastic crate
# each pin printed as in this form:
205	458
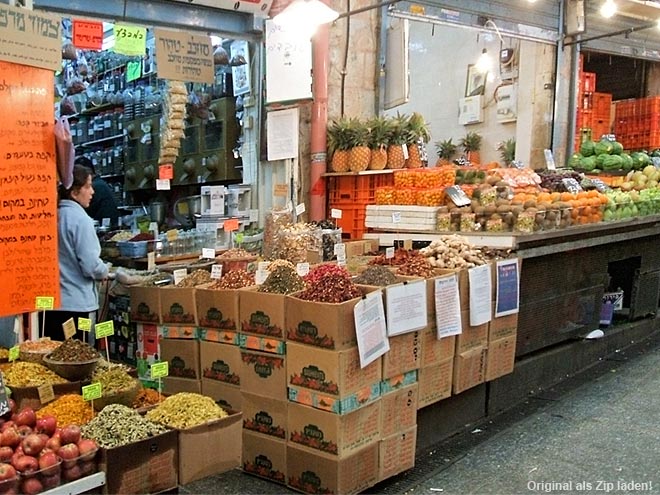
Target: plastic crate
602	105
350	189
588	80
133	249
352	222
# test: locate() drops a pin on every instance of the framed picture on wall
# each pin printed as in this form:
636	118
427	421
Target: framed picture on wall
476	81
240	67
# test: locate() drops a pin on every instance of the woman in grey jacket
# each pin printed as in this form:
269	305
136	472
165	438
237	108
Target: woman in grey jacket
79	254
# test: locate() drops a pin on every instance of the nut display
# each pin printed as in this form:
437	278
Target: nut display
74	351
28	374
119	425
185	410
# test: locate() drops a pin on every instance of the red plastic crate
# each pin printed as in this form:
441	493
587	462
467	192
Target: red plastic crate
357	188
588	82
602	105
352	222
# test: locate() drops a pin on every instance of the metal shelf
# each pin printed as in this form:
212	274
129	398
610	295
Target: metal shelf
79	486
87	144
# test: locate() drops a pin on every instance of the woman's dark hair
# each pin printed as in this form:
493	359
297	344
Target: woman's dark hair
85	162
80	176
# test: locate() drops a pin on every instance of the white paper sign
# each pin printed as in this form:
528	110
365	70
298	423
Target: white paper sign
406	307
282	134
153	226
260	276
340	249
179	275
389	252
447	306
480	283
396	217
302	269
162	184
208	253
300	209
341	259
507	295
105	222
151	261
263	265
336	213
370	327
216	271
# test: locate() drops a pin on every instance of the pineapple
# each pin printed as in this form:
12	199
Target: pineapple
338	145
378	139
507	151
417	134
359	155
471	144
397	137
446	150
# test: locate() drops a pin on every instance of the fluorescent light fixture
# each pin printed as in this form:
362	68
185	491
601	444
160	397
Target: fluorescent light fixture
484	62
304	12
608	9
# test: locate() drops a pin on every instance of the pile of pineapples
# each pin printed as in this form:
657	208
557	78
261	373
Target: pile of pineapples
377	143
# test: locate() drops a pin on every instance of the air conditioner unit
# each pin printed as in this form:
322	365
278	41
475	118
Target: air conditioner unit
470	110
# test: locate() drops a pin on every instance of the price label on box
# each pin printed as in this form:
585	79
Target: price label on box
84	324
300	209
263	265
160	370
46	393
339	249
151	261
231	225
44	303
162	184
396	217
166	171
179	275
216	271
105	329
389	252
93	391
260	276
302	269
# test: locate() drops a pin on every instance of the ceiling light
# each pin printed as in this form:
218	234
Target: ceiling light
608	9
304	12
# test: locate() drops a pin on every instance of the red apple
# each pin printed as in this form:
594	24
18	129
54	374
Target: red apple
33	444
5	453
72	473
7	471
49	464
26	464
70	434
27	416
46	425
10	437
87	448
53	443
24	430
7	424
31	486
69	454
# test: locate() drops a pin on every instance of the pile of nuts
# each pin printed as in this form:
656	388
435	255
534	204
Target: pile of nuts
185	410
119	425
74	351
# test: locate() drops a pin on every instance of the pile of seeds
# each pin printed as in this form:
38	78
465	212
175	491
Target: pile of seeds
376	275
74	351
119	425
198	277
282	280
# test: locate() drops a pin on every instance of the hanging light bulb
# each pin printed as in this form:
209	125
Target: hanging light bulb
484	62
301	12
608	9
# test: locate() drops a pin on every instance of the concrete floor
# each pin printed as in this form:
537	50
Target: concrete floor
598	432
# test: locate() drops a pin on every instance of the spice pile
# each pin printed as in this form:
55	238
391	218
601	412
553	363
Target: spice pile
198	277
70	409
376	275
235	279
235	253
119	425
282	280
27	374
185	410
37	347
330	284
74	351
146	397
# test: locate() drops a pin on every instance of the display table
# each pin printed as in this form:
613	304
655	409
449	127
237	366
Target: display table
79	486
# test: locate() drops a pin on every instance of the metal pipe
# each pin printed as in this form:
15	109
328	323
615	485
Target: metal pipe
318	144
369	7
615	33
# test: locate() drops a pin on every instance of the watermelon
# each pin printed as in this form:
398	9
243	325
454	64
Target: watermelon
574	161
627	161
587	148
603	147
612	162
588	163
617	148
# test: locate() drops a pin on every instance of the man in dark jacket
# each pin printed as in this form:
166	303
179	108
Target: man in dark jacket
103	204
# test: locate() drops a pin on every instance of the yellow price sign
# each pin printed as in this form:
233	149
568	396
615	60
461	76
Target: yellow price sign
13	353
159	370
93	391
85	324
130	40
105	329
44	302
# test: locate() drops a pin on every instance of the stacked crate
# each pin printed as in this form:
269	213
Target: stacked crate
351	194
593	117
637	123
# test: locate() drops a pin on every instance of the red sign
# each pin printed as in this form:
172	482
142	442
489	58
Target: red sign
231	224
166	171
88	35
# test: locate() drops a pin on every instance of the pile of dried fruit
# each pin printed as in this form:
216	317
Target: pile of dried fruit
74	351
119	425
319	271
332	288
147	397
185	410
27	374
70	409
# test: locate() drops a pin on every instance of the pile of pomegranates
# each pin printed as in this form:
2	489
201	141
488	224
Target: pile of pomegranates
37	455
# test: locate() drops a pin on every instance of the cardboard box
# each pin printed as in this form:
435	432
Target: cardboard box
29	396
331	380
502	327
182	356
471	337
227	396
265	415
435	350
148	349
405	354
435	382
263	374
221	336
463	288
264	457
501	357
264	344
325	325
398	410
220	362
397	453
201	451
177	306
173	385
177	332
217	308
147	466
399	381
145	304
332	433
469	369
312	471
261	313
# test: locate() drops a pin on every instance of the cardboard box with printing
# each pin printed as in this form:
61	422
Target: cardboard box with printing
261	313
145	304
177	332
502	327
264	457
263	374
311	471
333	433
405	354
217	308
435	382
398	410
397	453
436	350
173	385
471	337
183	357
177	306
265	415
227	396
220	362
229	337
501	357
469	369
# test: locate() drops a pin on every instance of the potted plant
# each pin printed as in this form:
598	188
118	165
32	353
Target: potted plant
471	144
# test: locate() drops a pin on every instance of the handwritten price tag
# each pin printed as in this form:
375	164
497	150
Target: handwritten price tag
389	253
166	171
133	70
88	35
302	269
84	324
69	328
93	391
105	329
151	261
44	302
13	353
231	225
396	217
300	209
260	276
159	370
130	40
216	271
46	393
179	275
163	184
335	213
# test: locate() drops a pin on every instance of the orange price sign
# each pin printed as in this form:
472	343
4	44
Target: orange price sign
88	35
231	225
166	171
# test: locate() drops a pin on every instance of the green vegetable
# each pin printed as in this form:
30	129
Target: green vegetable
588	163
587	148
603	147
617	148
